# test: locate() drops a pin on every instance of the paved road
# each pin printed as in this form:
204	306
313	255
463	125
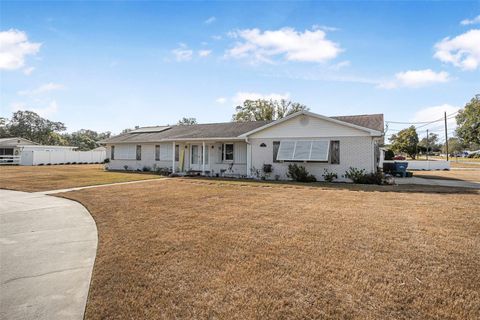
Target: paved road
438	182
47	251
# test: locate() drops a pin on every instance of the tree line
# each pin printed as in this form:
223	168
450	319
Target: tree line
31	126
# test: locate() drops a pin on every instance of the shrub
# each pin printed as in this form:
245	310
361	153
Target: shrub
107	160
162	171
299	173
329	176
146	169
359	176
389	154
125	167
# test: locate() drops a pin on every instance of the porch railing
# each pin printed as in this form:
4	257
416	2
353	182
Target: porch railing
9	159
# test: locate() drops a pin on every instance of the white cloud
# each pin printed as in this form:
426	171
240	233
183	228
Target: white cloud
240	97
182	53
14	47
221	100
415	79
217	37
28	71
324	28
292	45
435	113
463	51
204	53
42	89
467	22
340	65
210	20
47	111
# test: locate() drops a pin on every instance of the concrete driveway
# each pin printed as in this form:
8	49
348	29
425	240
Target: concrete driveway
47	251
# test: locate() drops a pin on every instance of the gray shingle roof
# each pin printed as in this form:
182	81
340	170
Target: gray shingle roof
371	121
230	130
195	131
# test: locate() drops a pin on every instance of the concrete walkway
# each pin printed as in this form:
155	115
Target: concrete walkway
97	186
438	182
47	251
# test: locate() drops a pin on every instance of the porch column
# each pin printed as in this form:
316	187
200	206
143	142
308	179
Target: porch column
173	157
203	157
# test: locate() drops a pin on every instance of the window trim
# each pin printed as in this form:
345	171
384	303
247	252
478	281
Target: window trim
138	152
224	152
277	145
332	142
157	152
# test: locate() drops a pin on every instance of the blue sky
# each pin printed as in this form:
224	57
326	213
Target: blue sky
113	65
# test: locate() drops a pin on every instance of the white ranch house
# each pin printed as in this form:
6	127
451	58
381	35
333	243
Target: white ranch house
241	149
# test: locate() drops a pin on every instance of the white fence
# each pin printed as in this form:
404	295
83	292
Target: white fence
425	164
9	159
34	158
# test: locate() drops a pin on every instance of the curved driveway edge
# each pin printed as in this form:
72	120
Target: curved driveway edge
47	251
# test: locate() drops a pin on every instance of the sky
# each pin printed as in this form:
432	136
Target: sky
111	65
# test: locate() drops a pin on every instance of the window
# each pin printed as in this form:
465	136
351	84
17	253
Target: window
303	150
177	152
157	152
335	152
112	152
276	145
227	152
139	152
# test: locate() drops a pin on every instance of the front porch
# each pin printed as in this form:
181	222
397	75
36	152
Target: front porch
210	158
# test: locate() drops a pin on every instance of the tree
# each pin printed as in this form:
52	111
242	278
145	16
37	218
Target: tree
4	133
406	141
454	146
257	110
468	122
29	125
187	121
432	144
85	139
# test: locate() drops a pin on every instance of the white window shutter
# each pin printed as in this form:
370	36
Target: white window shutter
302	150
319	151
286	150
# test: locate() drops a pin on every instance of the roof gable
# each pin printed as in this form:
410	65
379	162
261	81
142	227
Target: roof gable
335	123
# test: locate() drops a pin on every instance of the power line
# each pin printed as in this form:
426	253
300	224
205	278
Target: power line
423	122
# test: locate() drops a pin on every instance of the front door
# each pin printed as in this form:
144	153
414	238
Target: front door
196	157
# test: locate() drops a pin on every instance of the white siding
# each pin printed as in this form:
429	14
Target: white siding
240	153
306	127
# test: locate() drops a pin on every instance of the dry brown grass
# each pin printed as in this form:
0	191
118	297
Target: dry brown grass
42	178
196	249
464	175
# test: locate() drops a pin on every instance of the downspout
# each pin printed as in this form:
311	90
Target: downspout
249	157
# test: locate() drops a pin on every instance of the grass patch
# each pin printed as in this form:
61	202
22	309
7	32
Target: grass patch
192	248
42	178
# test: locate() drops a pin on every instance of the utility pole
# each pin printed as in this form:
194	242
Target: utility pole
446	135
427	144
